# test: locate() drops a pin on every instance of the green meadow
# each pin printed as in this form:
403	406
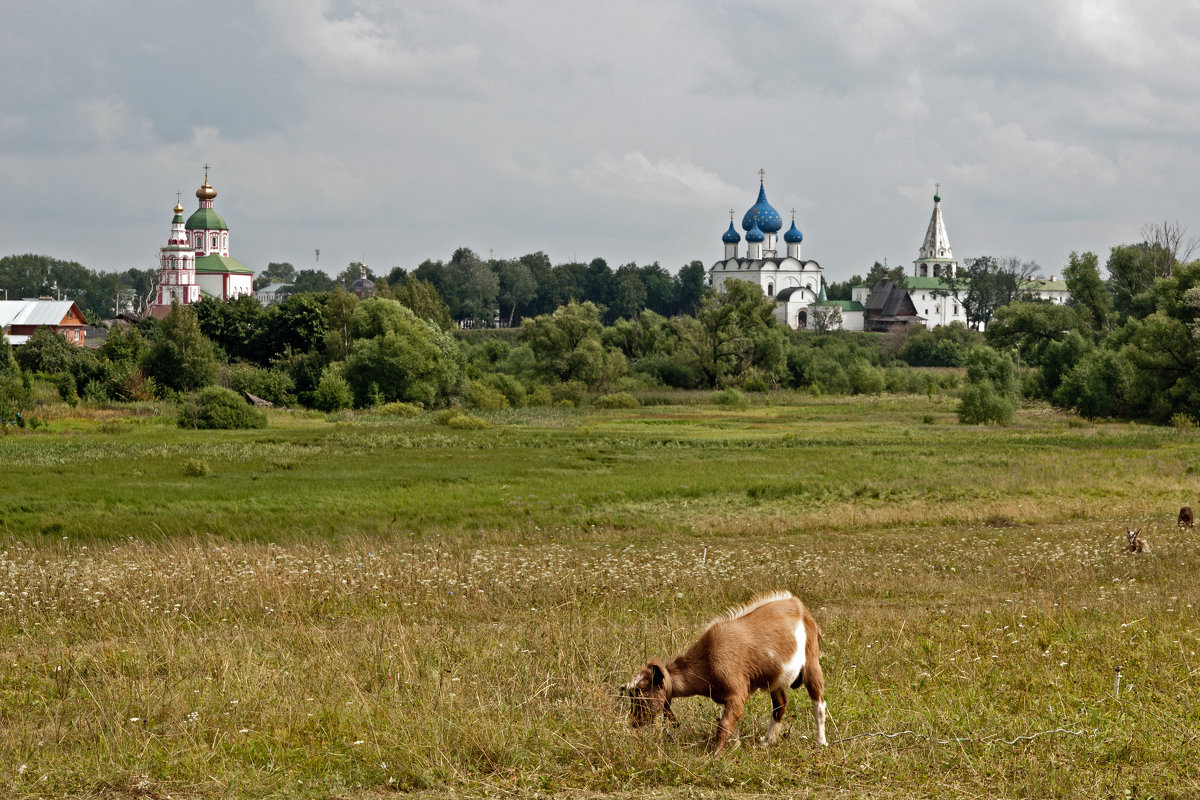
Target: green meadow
364	605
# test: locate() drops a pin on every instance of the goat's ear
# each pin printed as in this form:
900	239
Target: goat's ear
659	675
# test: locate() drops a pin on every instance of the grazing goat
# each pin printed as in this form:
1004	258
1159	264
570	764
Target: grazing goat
1185	517
1136	543
772	643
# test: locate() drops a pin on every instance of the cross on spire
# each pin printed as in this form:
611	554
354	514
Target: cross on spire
731	213
178	195
793	215
762	174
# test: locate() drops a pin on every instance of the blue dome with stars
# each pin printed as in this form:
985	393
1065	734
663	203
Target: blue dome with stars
754	234
762	214
731	236
793	236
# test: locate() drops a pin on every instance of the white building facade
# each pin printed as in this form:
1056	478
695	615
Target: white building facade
196	260
792	282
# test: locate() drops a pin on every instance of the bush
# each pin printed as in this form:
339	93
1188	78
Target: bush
669	371
196	468
981	403
540	396
616	400
271	385
864	379
66	389
466	422
217	408
569	392
444	416
399	409
484	397
731	398
333	392
991	390
508	386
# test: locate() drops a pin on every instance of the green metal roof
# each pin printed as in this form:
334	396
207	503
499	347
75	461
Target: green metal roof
214	264
1040	285
206	219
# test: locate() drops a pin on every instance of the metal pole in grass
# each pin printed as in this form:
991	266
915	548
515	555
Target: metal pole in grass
1117	684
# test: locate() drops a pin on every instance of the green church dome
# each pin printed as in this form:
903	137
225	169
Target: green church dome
206	219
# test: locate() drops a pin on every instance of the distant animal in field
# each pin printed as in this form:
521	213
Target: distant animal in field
771	643
1186	518
1136	543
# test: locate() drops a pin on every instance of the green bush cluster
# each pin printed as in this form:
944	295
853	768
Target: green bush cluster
215	407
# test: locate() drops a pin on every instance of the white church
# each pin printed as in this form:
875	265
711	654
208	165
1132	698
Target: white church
798	287
196	261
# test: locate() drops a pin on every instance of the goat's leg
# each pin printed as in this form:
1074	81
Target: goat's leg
779	701
814	682
668	714
734	706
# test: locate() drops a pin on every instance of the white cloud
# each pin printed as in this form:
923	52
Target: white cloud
666	180
360	45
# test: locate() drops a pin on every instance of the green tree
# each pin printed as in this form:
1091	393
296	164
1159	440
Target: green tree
276	272
395	355
1098	386
990	391
826	317
689	288
517	288
420	297
1029	328
237	326
311	280
567	346
1089	295
628	293
734	334
46	351
180	357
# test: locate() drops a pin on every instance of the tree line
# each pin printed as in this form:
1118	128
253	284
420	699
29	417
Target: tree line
1124	346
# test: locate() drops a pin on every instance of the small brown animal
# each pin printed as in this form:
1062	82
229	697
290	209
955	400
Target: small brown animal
1185	517
1136	543
772	643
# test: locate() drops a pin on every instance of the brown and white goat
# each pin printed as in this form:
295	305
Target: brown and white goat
1136	543
771	643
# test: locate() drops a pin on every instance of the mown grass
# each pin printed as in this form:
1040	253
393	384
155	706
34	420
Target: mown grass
365	605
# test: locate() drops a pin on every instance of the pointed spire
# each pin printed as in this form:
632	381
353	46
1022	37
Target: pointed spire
937	241
821	297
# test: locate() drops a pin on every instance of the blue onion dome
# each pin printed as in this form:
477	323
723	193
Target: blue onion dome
793	236
754	234
731	236
762	214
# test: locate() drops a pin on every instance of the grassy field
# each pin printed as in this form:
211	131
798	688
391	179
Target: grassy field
361	606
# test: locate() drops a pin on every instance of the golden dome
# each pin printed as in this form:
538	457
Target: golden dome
178	208
206	192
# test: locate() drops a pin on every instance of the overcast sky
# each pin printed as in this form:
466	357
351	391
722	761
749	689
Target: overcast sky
399	131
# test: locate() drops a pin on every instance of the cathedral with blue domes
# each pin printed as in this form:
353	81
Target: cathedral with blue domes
793	283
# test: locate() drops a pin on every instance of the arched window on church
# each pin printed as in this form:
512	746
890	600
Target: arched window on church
214	243
770	290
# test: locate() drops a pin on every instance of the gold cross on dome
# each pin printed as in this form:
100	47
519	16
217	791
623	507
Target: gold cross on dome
731	212
762	173
793	215
177	196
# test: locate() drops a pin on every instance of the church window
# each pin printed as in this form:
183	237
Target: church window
770	289
214	242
